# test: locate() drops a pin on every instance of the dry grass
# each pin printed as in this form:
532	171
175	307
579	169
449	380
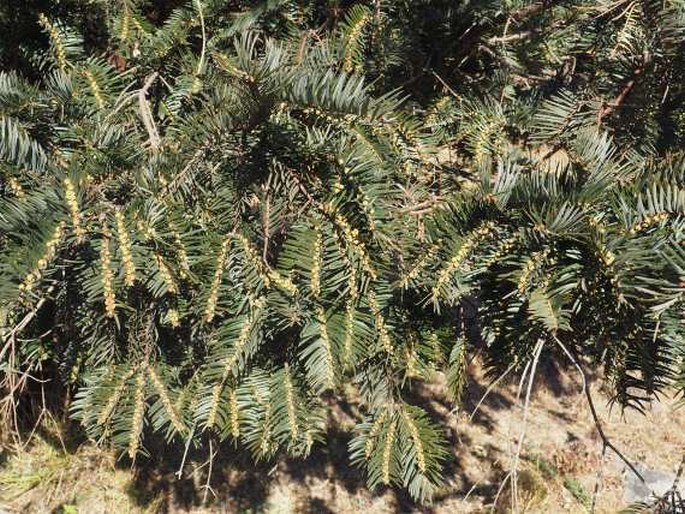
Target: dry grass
557	473
46	479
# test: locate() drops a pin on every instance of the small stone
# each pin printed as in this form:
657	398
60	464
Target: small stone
656	484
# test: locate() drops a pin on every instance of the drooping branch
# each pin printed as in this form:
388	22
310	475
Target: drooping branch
606	442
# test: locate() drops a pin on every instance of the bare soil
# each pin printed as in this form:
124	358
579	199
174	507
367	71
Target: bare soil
561	466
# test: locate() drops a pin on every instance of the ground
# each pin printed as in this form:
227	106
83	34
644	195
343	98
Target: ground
561	468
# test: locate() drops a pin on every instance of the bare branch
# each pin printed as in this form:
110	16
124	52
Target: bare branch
598	423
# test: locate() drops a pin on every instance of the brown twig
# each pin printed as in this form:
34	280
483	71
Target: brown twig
618	101
446	85
551	152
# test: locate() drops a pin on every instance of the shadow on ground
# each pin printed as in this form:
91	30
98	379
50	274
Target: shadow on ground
239	484
68	472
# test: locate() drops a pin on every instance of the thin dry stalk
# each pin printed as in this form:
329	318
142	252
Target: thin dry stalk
513	473
489	390
207	487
